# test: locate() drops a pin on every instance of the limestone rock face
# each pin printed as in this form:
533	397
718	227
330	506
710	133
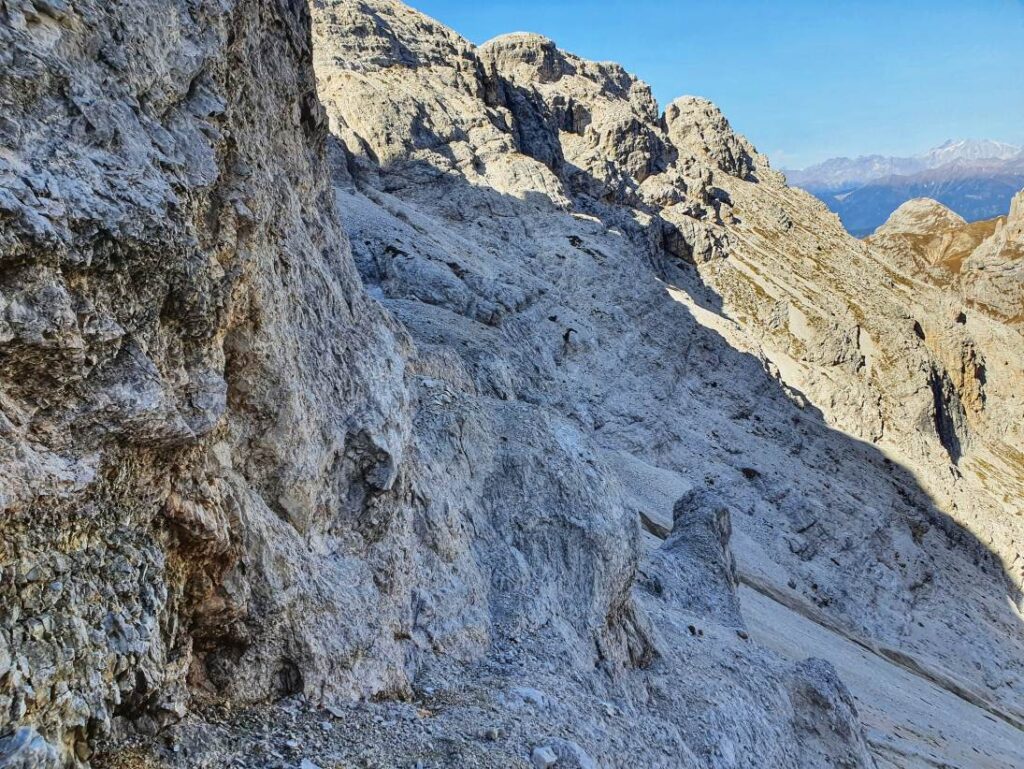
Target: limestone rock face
698	129
198	397
921	216
970	288
592	123
982	261
993	275
461	394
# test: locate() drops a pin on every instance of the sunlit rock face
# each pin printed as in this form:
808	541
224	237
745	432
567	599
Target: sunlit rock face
458	390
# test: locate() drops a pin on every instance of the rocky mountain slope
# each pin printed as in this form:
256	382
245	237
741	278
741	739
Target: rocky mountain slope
481	416
975	178
981	263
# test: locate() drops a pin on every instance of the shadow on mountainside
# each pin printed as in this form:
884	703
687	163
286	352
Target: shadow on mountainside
866	547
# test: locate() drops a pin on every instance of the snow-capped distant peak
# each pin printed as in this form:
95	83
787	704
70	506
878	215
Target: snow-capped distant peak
955	150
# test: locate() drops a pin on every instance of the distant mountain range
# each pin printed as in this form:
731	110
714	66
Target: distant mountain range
975	178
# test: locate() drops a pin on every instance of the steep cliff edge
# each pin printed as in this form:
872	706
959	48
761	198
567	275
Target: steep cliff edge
494	508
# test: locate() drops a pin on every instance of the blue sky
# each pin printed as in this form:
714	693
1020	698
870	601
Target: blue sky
803	79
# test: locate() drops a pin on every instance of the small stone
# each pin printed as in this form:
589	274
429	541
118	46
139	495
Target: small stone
543	757
531	696
307	764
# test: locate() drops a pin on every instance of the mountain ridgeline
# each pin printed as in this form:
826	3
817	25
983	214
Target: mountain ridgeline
975	178
372	398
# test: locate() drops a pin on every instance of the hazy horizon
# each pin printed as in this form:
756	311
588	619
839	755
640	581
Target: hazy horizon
803	81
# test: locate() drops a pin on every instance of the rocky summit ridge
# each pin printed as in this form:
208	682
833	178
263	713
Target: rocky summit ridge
371	398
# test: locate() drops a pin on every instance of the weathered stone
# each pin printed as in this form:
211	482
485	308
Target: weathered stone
543	756
26	749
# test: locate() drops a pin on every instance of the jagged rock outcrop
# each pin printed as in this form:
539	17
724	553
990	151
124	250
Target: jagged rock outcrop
993	275
698	129
228	476
233	476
